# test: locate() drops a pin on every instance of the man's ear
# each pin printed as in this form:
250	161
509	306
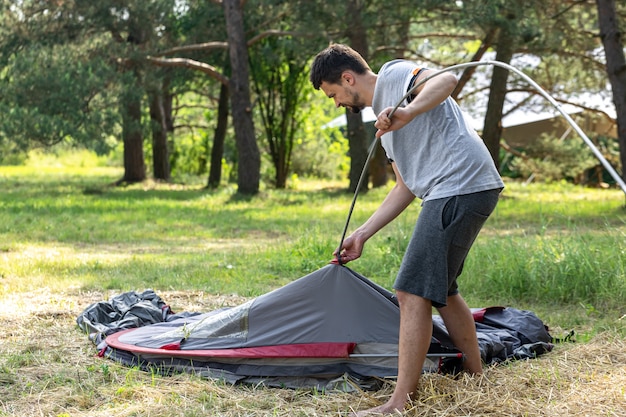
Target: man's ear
348	77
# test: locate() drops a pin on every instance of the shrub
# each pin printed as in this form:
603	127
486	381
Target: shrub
551	159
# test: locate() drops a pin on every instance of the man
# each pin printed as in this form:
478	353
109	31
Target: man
437	157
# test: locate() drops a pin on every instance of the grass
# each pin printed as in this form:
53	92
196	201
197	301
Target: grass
67	239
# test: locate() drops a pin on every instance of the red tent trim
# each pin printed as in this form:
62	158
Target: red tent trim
302	350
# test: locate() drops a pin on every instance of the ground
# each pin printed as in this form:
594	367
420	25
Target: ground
48	367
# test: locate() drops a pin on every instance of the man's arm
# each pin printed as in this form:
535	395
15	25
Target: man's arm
429	95
394	203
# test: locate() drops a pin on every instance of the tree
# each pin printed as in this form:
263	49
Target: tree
201	69
554	42
217	150
249	166
357	138
56	87
613	42
131	101
280	129
139	27
280	83
506	26
160	108
107	33
378	33
132	135
492	130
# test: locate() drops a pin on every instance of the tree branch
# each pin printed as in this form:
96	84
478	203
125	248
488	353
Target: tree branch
207	46
560	100
189	63
512	151
468	72
268	33
567	8
191	127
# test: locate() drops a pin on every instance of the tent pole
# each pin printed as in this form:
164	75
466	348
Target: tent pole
383	355
370	154
618	179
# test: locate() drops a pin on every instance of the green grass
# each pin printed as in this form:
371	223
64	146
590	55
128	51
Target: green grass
556	249
68	239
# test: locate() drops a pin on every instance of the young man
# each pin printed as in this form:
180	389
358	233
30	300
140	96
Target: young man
437	157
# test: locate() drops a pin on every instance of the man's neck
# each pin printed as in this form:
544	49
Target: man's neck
368	81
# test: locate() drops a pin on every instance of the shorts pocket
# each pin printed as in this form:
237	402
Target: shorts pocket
468	228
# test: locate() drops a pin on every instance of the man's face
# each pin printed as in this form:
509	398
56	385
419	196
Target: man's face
344	96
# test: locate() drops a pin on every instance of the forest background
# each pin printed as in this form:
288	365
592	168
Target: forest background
172	88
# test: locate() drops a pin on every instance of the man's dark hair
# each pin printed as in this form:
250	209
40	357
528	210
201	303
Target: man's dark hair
330	63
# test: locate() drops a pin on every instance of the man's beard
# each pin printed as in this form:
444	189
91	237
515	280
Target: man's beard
358	104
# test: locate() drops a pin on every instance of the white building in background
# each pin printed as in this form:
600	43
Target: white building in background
526	117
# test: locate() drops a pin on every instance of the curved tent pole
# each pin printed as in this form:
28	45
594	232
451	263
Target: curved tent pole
552	101
545	94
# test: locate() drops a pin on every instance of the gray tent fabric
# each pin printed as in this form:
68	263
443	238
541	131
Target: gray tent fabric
325	306
331	329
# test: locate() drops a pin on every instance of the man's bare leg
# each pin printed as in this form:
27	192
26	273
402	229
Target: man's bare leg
416	330
458	319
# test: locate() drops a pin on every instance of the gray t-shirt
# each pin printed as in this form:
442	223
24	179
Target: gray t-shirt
438	154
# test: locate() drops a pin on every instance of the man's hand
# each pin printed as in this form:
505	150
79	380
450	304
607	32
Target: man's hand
386	124
428	96
350	250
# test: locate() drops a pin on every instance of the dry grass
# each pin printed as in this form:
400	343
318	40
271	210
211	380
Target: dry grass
48	368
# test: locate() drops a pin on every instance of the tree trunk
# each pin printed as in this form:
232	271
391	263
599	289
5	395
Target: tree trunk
132	135
358	150
168	107
249	165
134	164
160	150
615	68
357	137
379	167
492	131
281	166
217	150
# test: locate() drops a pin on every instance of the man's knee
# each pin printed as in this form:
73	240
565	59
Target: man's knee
408	298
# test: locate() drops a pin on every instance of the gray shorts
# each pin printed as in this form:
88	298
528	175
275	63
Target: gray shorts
444	233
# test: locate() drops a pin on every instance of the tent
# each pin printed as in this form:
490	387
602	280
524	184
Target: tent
331	329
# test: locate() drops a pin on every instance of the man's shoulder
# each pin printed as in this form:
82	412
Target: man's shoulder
397	64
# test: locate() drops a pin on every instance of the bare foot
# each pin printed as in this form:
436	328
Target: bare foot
381	410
